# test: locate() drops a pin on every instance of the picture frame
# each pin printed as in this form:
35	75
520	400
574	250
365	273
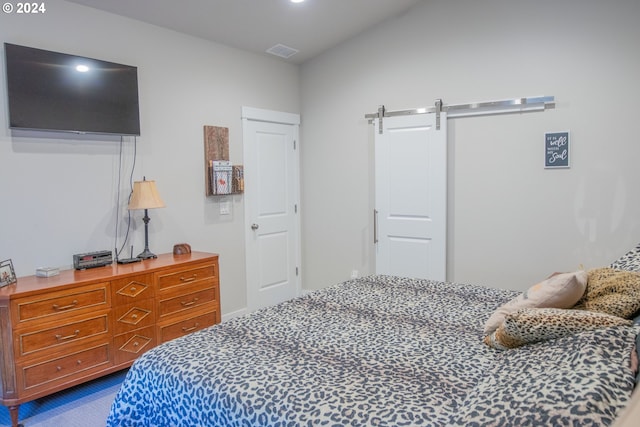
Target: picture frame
7	273
556	150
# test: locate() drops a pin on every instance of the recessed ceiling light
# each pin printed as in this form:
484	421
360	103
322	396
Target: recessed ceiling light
82	68
297	1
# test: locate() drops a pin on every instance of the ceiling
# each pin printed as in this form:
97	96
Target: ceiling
310	27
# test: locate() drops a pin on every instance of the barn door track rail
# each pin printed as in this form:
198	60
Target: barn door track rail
507	106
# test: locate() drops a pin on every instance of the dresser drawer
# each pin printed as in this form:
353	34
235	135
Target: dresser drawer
63	303
65	368
133	316
184	301
32	341
132	344
176	278
131	289
184	327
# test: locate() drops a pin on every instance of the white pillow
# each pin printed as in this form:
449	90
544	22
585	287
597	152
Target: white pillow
558	291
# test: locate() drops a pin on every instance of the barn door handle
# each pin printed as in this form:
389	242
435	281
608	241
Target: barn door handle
375	226
254	227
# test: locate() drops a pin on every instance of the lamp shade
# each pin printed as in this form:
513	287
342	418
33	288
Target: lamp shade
145	196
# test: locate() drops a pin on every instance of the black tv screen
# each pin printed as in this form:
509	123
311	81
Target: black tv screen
60	92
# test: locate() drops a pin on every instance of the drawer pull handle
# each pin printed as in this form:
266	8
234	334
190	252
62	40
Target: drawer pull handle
189	303
133	289
188	279
193	328
73	304
68	337
58	368
134	316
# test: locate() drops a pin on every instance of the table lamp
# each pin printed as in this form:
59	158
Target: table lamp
145	196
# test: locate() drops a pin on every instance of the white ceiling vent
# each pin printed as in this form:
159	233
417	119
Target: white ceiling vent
282	51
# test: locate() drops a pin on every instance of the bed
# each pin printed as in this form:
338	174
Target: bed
379	351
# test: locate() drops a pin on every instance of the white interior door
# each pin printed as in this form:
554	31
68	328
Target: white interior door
411	196
271	174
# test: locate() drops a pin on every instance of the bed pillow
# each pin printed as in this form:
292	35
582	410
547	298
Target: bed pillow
611	291
558	291
629	261
530	325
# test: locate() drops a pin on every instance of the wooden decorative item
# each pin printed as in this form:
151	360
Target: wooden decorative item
181	248
238	179
216	147
216	152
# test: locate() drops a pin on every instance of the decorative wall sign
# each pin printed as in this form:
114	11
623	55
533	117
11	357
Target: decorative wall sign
216	147
221	177
216	142
556	150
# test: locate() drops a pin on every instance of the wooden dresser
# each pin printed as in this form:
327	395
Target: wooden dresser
64	330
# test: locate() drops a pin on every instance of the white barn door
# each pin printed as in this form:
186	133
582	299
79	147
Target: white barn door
411	196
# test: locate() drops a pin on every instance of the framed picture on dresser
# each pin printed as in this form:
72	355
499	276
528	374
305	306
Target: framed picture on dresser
7	274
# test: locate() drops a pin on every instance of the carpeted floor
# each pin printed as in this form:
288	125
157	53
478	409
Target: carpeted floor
86	405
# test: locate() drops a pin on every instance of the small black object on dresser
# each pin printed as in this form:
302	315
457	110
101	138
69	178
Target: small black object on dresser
92	259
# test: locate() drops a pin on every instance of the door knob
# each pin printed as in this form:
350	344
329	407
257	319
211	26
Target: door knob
254	226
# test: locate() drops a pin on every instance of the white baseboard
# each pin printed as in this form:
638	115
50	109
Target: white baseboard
233	314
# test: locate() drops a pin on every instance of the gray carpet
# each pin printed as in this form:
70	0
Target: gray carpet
86	405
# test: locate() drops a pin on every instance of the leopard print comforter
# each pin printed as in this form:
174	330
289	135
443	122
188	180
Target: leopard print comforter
376	351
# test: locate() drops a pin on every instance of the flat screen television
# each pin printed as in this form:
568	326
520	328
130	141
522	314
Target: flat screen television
54	91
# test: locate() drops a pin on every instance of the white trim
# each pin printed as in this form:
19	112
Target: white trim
234	314
258	114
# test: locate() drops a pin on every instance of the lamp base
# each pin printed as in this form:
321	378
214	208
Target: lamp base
146	254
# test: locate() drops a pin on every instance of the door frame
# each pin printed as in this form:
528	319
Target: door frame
272	116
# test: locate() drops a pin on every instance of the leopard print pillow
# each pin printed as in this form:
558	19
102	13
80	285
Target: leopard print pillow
611	291
561	290
530	325
629	261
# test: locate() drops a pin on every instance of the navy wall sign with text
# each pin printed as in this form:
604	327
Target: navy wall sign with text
556	150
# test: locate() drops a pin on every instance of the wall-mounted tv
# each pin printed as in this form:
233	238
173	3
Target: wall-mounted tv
54	91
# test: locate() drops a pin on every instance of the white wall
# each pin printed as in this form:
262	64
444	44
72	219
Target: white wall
59	192
511	222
